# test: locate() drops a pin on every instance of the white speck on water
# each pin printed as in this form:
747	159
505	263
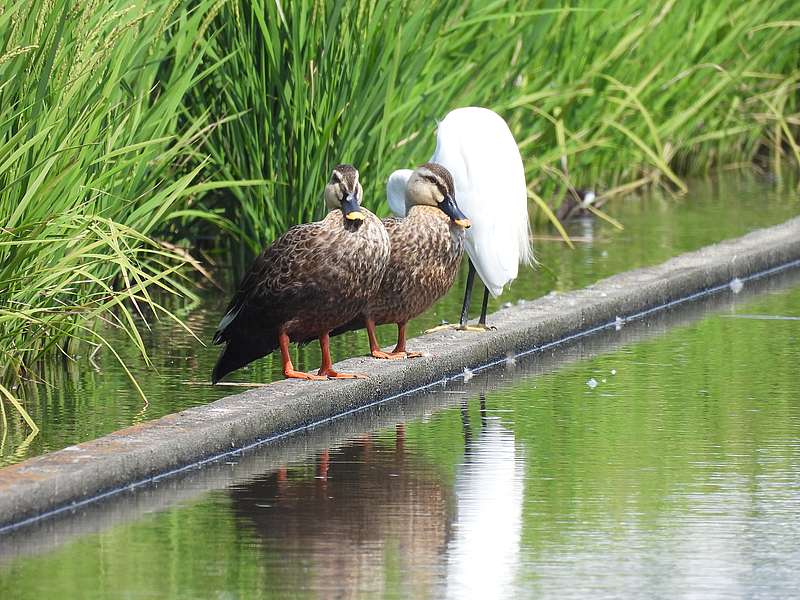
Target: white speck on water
618	323
603	380
467	375
592	383
604	254
510	360
613	371
507	305
736	285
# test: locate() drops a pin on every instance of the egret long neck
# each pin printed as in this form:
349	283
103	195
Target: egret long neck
396	191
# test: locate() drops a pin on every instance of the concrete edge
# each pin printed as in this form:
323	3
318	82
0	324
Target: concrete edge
157	448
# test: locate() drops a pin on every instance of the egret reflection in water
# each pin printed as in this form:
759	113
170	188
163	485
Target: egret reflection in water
484	549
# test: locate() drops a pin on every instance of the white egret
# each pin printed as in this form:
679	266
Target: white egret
477	147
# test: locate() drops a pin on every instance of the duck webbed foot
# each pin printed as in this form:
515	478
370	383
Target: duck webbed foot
288	367
395	354
331	374
387	355
292	374
326	370
399	352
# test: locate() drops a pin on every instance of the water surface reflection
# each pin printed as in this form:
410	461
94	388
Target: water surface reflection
677	475
484	552
370	508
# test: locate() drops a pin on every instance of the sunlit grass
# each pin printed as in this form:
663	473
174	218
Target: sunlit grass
613	95
93	166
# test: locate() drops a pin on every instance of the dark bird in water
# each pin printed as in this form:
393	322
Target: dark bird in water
312	279
427	246
575	204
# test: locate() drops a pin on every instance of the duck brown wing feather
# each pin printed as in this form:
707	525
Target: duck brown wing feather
280	277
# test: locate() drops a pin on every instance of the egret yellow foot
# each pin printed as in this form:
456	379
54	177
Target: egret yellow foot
441	327
480	327
457	327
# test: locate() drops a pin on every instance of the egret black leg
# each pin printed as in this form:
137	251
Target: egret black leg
467	294
485	304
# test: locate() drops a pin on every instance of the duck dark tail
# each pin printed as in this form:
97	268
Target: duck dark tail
237	354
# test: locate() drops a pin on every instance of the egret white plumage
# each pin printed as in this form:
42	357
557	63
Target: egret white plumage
477	147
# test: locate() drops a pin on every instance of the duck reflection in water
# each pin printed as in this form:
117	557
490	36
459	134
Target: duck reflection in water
373	518
371	513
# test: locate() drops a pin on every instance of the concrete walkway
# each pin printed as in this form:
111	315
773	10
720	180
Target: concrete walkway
136	455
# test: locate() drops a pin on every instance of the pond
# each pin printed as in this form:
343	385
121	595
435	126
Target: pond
676	475
85	399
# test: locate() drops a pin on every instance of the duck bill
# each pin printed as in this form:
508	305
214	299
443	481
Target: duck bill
450	208
351	210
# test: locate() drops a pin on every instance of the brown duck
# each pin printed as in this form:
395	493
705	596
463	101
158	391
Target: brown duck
427	245
312	279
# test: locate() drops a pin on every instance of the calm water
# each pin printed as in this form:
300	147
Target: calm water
678	475
84	400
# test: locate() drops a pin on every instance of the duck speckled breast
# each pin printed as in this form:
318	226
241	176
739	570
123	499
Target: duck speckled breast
319	275
426	253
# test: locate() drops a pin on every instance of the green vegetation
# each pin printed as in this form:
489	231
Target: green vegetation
123	124
612	97
94	163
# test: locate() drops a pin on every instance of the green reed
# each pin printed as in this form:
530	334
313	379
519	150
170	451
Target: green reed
94	166
612	95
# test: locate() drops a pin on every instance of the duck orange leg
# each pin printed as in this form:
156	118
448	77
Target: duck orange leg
288	367
327	366
400	349
374	348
